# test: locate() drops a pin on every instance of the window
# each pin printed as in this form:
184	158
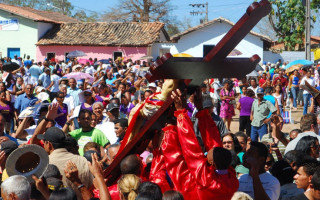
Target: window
117	54
207	49
66	59
51	56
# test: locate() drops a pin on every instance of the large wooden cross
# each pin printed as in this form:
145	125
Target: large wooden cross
214	64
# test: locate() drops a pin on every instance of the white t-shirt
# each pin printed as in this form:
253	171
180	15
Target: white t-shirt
89	70
270	184
254	89
108	129
310	81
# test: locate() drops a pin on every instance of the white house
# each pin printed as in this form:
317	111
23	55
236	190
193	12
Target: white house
198	40
22	27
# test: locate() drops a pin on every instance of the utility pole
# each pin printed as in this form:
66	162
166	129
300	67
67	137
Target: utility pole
62	6
308	31
193	13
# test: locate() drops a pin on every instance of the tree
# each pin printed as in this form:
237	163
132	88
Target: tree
139	10
287	19
82	16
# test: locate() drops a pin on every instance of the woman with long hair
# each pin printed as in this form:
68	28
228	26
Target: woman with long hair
128	186
3	88
227	109
278	95
309	145
294	81
7	110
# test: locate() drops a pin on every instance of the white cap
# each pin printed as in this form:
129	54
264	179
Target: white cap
268	63
39	89
76	67
152	85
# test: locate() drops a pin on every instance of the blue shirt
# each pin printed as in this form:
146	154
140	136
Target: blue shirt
46	79
27	62
35	71
109	82
75	94
272	100
22	102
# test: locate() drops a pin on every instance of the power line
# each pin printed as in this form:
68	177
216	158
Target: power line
200	5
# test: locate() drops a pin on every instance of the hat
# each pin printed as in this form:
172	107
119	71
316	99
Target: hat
46	69
76	67
260	91
207	104
152	85
43	96
54	183
81	95
63	79
26	161
53	135
269	63
112	106
39	89
8	147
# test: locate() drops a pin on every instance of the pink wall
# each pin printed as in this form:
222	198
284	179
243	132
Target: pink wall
92	51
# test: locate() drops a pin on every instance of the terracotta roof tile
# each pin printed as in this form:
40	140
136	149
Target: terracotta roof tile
220	19
38	15
103	34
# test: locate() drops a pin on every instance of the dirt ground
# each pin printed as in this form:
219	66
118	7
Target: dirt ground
296	115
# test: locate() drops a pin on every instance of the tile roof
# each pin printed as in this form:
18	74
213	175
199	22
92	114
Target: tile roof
104	34
220	19
38	15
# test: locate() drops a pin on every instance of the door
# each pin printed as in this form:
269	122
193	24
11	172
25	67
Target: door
51	56
117	54
13	51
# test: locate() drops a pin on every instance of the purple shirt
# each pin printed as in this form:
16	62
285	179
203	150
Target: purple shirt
83	107
246	104
62	119
190	108
7	111
126	110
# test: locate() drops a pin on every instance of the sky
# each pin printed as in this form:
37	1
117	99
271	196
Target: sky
230	9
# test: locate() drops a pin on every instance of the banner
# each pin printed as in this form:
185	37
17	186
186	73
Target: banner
9	25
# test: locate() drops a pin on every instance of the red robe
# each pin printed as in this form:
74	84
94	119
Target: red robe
209	183
158	171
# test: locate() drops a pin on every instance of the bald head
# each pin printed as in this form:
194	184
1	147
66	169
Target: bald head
131	164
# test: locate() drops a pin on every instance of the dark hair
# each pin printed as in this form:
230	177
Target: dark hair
42	118
85	111
283	172
52	172
261	148
307	120
149	187
172	195
132	90
91	145
250	93
146	196
241	134
222	158
71	144
148	91
123	84
131	165
294	156
309	166
63	194
237	146
122	121
316	180
306	143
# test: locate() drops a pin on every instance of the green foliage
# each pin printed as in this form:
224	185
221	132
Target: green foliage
288	20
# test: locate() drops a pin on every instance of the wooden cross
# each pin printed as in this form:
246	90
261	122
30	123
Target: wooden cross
214	64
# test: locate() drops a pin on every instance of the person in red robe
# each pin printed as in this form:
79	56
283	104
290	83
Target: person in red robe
212	181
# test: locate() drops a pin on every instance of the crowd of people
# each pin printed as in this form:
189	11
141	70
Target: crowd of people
82	122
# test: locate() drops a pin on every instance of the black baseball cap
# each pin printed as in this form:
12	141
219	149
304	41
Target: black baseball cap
53	135
8	147
112	106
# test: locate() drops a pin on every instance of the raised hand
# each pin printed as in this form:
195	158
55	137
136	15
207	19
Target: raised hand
71	172
178	99
95	167
52	111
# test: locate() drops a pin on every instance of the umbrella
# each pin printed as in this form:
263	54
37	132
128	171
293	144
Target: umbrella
104	61
83	61
254	73
76	53
296	62
146	58
10	66
235	52
182	55
79	76
292	68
